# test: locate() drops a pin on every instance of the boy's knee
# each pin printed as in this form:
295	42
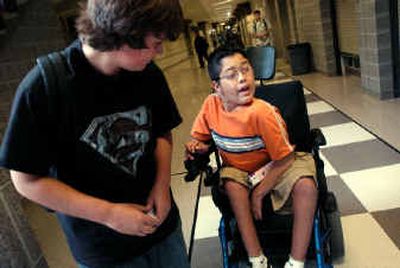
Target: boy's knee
232	185
305	188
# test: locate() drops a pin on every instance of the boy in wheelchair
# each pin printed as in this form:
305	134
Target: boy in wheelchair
258	159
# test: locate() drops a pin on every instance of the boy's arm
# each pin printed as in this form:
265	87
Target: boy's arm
159	199
275	169
56	195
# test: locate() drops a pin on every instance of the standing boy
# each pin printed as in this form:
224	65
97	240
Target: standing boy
261	30
98	152
251	135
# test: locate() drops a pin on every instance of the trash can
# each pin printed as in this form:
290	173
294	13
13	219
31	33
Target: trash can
300	58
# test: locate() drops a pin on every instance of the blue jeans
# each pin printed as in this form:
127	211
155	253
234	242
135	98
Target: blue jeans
169	253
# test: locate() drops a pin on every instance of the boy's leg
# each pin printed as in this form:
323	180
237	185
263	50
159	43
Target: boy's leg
170	253
304	196
200	58
238	195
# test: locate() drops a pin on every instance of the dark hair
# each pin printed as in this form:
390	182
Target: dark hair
109	24
215	58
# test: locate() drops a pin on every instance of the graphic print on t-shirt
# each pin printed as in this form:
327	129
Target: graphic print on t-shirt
120	137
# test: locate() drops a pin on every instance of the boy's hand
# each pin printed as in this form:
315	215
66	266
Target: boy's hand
132	219
195	146
256	203
257	197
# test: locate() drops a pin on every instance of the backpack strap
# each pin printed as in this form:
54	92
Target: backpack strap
56	75
265	24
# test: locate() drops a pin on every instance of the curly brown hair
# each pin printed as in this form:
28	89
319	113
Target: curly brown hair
108	24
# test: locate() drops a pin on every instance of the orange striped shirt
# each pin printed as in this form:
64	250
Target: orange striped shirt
248	137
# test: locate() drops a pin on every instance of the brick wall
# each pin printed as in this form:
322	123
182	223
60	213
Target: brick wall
375	48
314	25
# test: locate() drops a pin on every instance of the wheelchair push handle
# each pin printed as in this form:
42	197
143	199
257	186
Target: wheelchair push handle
317	138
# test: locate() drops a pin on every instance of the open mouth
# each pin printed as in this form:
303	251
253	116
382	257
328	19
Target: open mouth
244	89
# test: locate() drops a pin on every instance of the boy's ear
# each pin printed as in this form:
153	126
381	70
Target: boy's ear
215	86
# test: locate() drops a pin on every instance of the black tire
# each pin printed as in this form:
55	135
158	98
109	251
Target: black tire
336	240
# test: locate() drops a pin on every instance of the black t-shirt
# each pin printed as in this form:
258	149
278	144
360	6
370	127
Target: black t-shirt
99	137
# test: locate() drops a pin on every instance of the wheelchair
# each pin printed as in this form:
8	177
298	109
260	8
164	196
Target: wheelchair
274	231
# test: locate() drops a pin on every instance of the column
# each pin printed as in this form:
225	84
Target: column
375	48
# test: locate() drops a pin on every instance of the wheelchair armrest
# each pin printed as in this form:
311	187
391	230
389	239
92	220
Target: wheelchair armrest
317	138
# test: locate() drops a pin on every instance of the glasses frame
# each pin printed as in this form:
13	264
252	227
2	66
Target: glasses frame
244	69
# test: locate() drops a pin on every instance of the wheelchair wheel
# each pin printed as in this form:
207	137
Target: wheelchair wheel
334	227
336	241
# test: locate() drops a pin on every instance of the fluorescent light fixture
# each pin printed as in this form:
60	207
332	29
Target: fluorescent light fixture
221	3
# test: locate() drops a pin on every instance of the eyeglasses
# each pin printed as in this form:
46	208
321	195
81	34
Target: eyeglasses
233	74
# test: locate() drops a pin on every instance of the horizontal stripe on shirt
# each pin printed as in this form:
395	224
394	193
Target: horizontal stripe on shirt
238	145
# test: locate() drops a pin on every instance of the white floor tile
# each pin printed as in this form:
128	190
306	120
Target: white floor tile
208	219
367	245
345	134
317	107
328	168
377	188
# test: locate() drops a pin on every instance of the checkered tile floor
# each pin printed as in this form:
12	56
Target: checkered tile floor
364	174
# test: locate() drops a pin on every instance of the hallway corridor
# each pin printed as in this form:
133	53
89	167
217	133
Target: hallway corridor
362	156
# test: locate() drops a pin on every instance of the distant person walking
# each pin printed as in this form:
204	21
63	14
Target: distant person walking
201	47
233	39
261	30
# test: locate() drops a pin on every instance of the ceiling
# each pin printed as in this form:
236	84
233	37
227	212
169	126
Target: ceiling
209	10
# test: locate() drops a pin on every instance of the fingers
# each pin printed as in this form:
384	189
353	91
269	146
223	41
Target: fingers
149	206
139	207
255	213
195	146
191	146
189	151
147	229
134	219
188	155
257	209
149	225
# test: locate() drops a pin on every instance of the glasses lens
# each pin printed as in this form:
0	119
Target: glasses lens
234	73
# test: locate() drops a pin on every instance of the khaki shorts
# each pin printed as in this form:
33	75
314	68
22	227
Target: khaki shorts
303	166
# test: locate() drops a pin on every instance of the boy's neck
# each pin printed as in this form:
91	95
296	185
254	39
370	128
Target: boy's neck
103	61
